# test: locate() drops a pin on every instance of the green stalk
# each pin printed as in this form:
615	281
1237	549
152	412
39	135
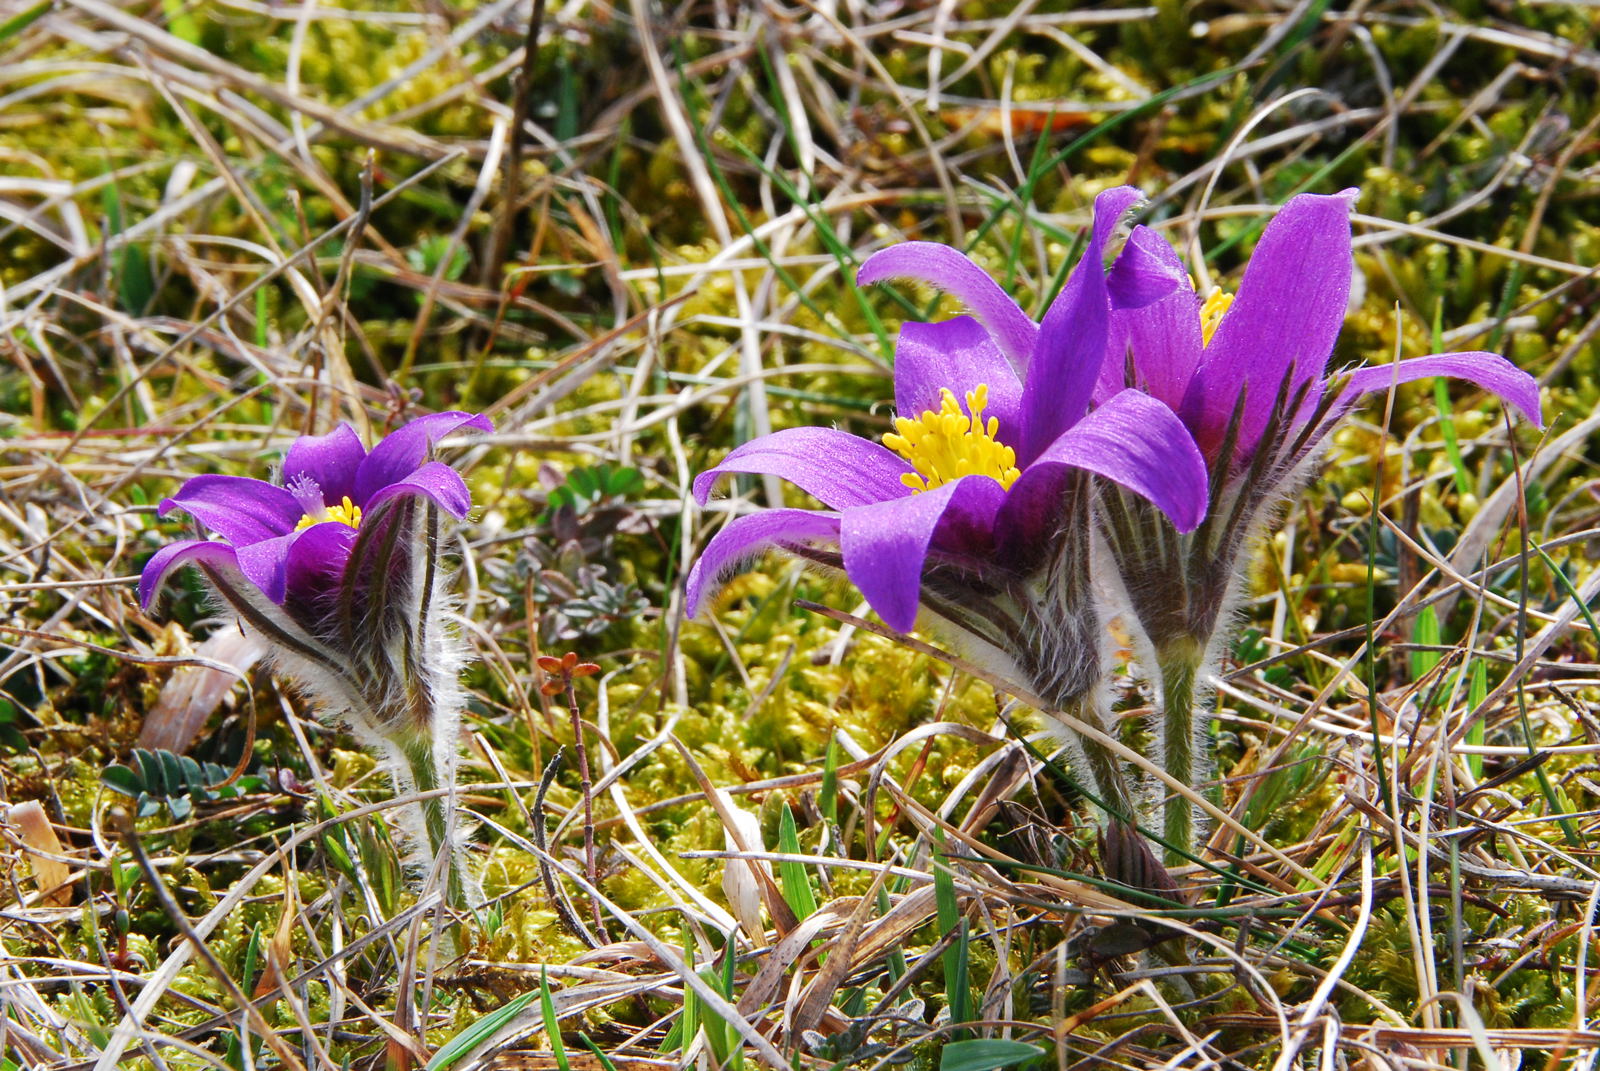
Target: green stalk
1179	666
421	762
1101	764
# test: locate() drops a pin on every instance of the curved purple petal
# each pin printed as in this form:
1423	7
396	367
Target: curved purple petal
1283	320
170	557
264	564
1072	338
744	537
885	544
331	460
836	468
1132	440
1154	319
437	481
1164	340
1146	270
955	273
239	509
956	354
314	564
402	450
1489	371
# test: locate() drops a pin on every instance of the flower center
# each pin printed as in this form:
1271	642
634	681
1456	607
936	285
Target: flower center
1211	310
950	444
345	512
308	496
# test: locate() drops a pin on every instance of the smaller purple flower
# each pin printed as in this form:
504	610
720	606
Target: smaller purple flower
336	566
337	569
1227	363
293	535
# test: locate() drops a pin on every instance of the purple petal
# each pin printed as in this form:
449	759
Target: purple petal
1164	340
435	480
239	509
954	272
745	537
170	557
314	564
1490	371
1146	270
885	544
1283	321
1132	440
956	354
264	564
331	460
836	468
1072	338
402	450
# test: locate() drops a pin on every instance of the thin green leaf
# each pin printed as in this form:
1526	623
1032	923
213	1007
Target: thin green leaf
479	1032
1425	633
796	885
986	1054
21	21
552	1025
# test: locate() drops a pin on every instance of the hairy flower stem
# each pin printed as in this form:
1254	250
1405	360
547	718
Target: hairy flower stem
423	766
1100	763
1182	728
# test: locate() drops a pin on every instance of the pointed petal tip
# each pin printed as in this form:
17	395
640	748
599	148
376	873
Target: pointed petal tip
704	484
164	562
1485	370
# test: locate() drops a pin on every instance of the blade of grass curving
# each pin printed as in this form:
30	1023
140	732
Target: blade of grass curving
599	1053
464	1043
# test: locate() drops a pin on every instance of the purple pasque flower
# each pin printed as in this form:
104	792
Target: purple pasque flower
335	567
977	509
995	434
1248	375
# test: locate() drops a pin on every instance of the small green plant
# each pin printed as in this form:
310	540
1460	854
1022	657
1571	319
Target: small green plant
157	779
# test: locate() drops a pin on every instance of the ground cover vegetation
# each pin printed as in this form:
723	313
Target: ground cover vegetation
480	290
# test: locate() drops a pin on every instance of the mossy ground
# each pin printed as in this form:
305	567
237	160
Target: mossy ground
225	224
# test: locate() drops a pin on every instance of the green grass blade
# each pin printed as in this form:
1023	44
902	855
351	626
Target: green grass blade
1477	692
552	1025
986	1054
956	957
792	875
479	1032
1425	633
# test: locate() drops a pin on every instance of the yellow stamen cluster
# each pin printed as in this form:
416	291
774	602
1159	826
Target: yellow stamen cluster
346	512
1211	311
950	444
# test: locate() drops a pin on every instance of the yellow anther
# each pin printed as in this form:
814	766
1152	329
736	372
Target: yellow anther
1211	311
346	512
949	444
